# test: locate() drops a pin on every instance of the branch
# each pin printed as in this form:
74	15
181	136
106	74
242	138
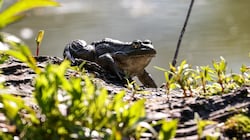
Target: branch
182	33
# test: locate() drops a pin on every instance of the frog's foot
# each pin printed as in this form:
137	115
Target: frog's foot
147	80
78	49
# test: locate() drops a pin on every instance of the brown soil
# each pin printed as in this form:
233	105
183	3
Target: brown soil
19	80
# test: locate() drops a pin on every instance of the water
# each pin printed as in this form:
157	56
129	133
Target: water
216	28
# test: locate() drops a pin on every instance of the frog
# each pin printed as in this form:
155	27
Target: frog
123	59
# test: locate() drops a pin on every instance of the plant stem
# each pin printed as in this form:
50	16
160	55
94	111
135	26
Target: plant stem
222	86
203	82
37	49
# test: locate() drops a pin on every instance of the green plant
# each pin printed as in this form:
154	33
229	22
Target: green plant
69	108
21	52
205	73
3	58
16	12
73	107
242	78
178	75
201	124
204	79
168	130
237	126
88	109
226	82
169	81
220	71
134	88
182	77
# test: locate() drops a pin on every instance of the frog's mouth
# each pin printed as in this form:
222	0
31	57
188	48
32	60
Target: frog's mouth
142	52
143	55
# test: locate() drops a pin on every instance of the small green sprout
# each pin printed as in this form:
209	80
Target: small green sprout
205	73
220	71
201	124
170	82
204	79
39	41
183	77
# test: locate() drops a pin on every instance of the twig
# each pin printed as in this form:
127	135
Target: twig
182	33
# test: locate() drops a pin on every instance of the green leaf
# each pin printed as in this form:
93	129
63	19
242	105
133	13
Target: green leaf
136	111
168	130
18	50
243	69
215	65
10	20
40	36
39	39
172	68
90	90
160	68
12	104
102	98
22	52
166	74
183	64
223	64
1	3
117	101
201	124
206	72
15	11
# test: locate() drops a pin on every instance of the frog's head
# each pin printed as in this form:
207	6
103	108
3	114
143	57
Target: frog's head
138	48
135	56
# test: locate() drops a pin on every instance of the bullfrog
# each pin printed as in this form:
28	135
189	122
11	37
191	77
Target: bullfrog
120	58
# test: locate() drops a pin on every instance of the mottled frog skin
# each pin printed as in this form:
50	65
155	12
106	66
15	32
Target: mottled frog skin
120	58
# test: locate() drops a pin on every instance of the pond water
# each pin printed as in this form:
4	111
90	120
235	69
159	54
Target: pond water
216	28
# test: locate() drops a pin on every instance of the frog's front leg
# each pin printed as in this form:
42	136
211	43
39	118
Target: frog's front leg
108	63
147	80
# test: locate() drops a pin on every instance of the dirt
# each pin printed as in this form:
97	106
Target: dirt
19	78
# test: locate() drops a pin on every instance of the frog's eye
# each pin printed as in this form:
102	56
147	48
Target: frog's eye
136	44
147	42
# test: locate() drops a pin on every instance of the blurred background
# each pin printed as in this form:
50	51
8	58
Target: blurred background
216	28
